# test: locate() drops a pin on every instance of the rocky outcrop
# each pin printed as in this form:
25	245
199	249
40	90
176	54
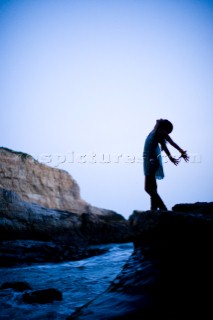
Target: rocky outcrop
38	183
24	220
197	207
168	276
65	235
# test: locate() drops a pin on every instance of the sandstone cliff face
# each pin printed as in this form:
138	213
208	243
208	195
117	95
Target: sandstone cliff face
38	183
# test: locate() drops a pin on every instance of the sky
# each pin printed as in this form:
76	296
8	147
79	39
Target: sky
82	83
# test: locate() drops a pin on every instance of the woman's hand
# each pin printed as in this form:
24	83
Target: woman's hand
185	156
174	160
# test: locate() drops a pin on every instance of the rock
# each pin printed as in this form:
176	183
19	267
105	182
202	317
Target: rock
23	220
42	296
59	235
38	183
168	276
17	286
105	229
198	207
28	252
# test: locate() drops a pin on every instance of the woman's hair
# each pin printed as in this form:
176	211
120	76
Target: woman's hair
166	125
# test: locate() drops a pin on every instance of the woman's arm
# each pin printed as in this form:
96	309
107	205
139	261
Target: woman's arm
166	150
164	147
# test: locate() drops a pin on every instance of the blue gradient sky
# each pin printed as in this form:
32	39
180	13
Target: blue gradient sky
91	77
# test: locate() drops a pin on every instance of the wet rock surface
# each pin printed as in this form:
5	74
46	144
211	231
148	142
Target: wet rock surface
28	252
42	296
168	276
33	296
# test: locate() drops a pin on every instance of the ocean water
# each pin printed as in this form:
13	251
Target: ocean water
79	281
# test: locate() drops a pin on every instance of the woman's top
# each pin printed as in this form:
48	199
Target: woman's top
152	160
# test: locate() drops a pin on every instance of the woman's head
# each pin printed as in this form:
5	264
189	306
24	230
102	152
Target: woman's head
166	125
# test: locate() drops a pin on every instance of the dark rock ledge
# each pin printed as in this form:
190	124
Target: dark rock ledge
30	233
27	252
168	276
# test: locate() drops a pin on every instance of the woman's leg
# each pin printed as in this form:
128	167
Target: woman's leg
151	189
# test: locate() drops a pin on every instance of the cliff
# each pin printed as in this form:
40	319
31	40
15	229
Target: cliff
38	183
40	203
169	275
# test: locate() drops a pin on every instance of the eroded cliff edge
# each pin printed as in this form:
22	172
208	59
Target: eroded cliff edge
36	182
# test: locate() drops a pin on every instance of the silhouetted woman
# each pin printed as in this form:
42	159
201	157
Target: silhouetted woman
153	167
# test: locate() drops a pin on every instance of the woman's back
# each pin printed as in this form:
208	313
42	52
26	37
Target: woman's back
151	144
